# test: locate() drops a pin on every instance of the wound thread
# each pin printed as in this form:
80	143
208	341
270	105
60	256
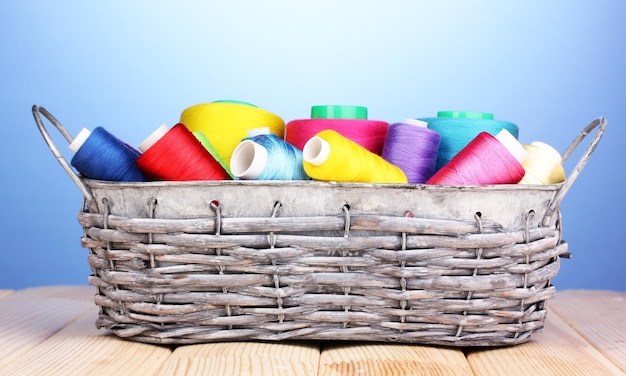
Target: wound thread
543	165
458	128
485	160
179	156
267	157
225	123
413	148
102	156
330	156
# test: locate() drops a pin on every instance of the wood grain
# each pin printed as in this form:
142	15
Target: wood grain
599	317
51	331
4	293
80	349
558	350
29	317
244	358
391	359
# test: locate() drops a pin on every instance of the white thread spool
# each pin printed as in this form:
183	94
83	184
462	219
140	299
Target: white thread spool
248	160
316	151
543	165
153	138
415	122
513	146
80	139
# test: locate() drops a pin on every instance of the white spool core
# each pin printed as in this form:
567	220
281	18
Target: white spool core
153	138
316	151
257	131
417	123
80	139
248	160
549	150
514	147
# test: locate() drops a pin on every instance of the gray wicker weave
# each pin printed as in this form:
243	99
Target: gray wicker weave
194	262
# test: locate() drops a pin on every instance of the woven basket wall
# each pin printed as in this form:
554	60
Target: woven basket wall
201	262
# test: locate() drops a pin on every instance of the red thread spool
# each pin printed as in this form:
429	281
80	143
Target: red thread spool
485	160
368	133
178	156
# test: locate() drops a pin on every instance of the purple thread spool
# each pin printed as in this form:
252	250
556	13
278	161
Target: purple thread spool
412	147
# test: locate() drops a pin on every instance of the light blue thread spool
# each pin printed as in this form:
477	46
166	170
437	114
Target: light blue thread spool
267	157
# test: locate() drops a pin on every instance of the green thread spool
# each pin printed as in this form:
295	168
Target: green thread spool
207	145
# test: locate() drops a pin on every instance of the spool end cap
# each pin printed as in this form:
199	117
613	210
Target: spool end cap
248	160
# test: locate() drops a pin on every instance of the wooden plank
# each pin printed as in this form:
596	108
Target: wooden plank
599	317
80	349
83	293
558	350
244	358
28	317
392	359
4	293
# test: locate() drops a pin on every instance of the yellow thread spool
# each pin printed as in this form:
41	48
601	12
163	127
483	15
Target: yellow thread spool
543	165
329	156
226	123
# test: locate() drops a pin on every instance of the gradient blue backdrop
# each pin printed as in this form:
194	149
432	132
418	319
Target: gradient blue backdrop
549	66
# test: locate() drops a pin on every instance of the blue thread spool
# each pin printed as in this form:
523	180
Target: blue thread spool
100	155
264	156
458	128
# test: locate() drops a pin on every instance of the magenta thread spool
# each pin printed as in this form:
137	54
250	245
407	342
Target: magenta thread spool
349	121
485	160
458	128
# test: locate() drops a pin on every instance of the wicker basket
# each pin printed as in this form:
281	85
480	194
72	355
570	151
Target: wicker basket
207	261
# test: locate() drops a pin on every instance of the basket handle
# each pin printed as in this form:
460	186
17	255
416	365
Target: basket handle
599	123
37	110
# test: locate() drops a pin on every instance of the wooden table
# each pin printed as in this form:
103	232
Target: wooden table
51	331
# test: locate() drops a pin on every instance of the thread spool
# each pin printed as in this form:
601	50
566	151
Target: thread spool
349	121
413	148
211	149
264	156
177	155
458	128
102	156
485	160
543	165
225	123
329	156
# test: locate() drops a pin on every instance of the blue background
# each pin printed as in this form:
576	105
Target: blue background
548	66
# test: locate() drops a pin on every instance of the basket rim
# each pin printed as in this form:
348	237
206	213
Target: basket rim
321	184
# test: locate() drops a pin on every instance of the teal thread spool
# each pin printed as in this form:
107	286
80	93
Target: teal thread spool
458	128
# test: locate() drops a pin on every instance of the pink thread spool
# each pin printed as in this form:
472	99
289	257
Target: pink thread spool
349	121
485	160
